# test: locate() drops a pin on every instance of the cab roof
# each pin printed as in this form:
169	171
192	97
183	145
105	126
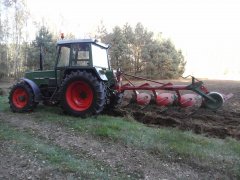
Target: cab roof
76	41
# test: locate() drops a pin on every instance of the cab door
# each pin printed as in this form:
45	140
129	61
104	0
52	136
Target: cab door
63	59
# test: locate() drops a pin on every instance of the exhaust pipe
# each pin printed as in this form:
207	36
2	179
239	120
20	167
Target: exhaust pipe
41	60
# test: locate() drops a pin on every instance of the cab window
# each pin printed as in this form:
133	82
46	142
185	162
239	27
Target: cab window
64	56
81	55
99	55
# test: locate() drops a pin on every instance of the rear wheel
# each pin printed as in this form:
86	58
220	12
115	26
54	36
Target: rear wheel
211	104
21	98
82	94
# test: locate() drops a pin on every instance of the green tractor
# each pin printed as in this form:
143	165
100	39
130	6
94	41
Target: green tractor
82	81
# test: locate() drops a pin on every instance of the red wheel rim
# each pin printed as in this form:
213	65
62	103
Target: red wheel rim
20	97
79	96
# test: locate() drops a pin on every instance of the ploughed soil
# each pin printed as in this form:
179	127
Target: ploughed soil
221	123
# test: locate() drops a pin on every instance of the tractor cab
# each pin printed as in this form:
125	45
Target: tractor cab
82	53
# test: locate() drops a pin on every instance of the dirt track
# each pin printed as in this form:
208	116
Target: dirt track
221	123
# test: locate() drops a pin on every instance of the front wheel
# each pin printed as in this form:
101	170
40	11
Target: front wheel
21	98
82	94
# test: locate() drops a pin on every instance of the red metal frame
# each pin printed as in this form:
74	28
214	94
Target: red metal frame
196	86
212	100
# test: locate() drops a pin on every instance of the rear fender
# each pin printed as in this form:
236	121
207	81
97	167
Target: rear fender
98	72
35	88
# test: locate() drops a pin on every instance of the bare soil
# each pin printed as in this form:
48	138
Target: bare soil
221	123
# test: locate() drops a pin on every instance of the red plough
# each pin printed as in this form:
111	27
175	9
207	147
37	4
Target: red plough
210	100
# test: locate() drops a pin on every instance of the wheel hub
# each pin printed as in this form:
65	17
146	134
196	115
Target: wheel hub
83	95
21	98
79	95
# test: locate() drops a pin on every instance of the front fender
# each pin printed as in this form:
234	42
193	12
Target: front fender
35	88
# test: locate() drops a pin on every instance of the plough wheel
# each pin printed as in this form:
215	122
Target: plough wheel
214	105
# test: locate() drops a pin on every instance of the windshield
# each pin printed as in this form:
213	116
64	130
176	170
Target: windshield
99	56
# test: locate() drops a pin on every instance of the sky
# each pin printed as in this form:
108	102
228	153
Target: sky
207	31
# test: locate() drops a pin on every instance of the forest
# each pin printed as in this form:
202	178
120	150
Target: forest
134	49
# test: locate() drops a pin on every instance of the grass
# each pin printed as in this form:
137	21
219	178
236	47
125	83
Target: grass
63	159
168	143
4	106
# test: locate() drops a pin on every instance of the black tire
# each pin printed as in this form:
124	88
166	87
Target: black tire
82	94
21	98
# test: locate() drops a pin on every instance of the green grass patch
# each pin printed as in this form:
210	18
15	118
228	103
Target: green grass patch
4	106
63	159
169	143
